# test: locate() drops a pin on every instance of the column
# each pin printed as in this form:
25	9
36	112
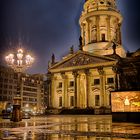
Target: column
75	74
101	73
78	91
120	37
115	70
108	29
53	88
87	73
83	33
98	28
49	104
65	94
49	82
87	32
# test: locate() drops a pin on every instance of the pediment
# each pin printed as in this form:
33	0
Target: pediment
81	59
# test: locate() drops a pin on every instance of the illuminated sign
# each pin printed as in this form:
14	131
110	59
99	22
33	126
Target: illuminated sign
125	101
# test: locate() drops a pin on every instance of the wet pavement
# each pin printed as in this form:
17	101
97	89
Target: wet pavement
68	127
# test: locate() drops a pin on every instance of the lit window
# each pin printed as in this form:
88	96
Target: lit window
10	92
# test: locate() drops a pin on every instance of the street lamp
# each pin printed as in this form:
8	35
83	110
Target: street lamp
19	62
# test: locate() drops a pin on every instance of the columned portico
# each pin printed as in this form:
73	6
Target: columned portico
83	82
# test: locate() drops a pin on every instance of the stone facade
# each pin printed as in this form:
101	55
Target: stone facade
100	24
85	79
82	80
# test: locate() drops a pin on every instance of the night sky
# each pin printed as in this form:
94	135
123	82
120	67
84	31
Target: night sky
51	26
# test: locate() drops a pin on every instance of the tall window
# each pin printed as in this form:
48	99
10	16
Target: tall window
71	83
109	99
60	101
97	100
60	85
103	37
110	80
71	100
96	81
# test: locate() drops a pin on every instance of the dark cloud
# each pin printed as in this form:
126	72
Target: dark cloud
52	26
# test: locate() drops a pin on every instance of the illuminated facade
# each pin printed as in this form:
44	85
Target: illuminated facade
84	79
100	24
32	89
32	93
8	86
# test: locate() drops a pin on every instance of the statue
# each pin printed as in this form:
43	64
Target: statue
71	50
53	58
80	43
126	101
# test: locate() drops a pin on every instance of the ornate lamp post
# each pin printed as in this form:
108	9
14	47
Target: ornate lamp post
19	62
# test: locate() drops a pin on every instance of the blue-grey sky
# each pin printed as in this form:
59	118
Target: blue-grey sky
51	26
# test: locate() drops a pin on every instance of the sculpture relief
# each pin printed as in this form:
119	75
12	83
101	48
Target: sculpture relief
82	59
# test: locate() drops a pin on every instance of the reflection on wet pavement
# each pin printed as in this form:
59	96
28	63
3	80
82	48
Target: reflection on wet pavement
68	128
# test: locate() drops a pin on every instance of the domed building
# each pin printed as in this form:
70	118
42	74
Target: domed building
100	24
85	79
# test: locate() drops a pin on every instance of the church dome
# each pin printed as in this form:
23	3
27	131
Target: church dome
93	5
100	24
